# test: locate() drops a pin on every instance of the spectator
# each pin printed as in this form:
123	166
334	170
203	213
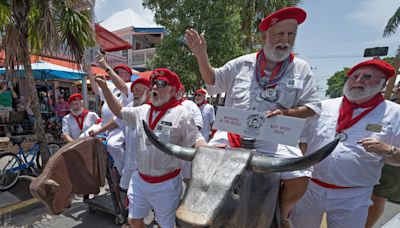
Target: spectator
62	108
6	96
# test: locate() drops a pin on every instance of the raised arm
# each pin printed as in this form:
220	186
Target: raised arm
113	103
198	46
93	83
117	80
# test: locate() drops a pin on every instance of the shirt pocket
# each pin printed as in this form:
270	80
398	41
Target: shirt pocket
287	96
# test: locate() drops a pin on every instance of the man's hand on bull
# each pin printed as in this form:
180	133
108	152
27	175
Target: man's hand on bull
101	81
374	145
276	112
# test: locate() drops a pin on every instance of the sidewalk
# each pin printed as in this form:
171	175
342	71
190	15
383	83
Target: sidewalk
18	199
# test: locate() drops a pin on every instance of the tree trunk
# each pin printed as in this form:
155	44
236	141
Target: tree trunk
21	10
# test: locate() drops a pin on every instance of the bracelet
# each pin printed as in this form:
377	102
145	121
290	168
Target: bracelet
392	152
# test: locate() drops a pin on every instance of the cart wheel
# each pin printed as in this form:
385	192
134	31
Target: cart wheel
119	220
92	209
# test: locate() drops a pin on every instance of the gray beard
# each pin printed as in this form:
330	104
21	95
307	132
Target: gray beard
274	55
360	94
140	100
76	113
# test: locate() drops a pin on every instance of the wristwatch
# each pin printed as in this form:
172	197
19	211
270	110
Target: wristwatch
392	152
108	69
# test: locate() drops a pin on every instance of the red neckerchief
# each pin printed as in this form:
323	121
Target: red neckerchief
346	111
163	109
278	71
79	119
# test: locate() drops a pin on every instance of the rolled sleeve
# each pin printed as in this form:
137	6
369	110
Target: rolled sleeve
309	96
65	126
190	132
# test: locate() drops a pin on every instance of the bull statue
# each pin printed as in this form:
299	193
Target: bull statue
78	167
233	187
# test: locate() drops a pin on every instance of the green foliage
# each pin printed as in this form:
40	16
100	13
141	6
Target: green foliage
219	20
336	83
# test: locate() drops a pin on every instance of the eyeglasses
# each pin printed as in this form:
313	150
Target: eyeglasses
159	83
363	77
198	95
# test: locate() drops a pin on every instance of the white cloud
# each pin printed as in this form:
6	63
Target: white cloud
373	14
99	4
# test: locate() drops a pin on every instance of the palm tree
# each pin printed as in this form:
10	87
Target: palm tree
41	26
389	30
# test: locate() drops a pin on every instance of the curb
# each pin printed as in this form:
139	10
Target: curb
20	207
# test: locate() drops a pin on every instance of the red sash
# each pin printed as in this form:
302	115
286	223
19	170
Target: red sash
159	179
346	111
327	185
79	119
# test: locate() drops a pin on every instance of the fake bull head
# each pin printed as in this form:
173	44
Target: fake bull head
78	167
233	187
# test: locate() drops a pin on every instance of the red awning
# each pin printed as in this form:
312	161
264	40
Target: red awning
109	41
145	74
2	58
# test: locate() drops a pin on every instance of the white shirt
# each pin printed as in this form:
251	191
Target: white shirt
176	127
71	127
131	140
208	114
194	111
349	164
106	113
237	79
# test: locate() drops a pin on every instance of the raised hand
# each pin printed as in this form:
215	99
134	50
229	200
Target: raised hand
196	43
101	81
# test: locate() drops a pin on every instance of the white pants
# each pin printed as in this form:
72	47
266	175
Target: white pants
343	212
163	197
115	146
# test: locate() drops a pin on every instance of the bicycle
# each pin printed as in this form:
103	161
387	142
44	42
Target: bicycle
13	165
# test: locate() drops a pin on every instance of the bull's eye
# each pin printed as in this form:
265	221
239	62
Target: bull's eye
236	190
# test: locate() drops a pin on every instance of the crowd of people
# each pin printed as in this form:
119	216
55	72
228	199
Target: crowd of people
273	81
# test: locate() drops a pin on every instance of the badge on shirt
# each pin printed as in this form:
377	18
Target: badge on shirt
166	123
295	83
374	127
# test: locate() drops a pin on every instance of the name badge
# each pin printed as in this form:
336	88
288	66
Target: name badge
295	83
374	127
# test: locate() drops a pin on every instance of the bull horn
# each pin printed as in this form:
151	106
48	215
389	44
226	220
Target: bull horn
51	183
180	152
261	163
28	178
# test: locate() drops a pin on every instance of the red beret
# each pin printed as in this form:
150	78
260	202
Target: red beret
203	91
381	65
166	75
124	67
75	97
143	81
286	13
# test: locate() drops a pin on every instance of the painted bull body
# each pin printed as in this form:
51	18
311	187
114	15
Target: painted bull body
233	187
78	167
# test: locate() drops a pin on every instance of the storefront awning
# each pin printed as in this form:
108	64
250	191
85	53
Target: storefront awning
109	41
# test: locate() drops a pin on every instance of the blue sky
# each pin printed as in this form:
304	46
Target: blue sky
333	36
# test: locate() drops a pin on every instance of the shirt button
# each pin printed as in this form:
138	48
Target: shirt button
254	108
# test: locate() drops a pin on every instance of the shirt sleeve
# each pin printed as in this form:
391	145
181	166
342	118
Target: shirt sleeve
130	114
190	133
309	94
212	114
121	124
65	126
224	77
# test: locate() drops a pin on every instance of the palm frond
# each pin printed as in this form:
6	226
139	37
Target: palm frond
392	24
5	14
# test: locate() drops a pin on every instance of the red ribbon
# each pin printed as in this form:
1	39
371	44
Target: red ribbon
346	111
277	72
234	140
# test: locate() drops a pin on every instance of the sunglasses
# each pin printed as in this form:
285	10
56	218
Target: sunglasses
159	83
363	77
198	95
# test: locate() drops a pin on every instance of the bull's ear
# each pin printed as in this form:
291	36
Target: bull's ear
180	152
261	163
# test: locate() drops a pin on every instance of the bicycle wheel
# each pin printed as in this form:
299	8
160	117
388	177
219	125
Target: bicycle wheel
52	148
9	178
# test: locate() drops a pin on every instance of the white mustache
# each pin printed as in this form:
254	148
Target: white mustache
281	45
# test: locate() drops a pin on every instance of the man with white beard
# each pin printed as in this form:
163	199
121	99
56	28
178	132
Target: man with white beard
207	112
369	128
157	183
140	89
273	81
78	120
